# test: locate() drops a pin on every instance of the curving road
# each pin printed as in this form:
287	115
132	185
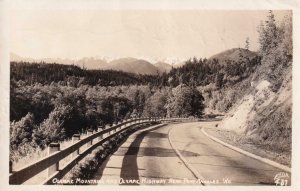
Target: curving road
180	154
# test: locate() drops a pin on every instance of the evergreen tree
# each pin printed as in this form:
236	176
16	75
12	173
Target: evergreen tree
268	34
247	43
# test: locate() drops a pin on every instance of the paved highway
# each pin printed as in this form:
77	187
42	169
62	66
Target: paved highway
178	154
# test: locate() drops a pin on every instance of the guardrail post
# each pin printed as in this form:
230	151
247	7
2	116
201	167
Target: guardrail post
107	127
52	148
101	136
120	125
114	124
135	120
89	132
10	166
75	138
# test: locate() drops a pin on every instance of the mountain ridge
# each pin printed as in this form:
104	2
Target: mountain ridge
129	64
135	65
233	54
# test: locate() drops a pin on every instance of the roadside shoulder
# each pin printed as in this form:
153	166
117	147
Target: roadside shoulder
228	139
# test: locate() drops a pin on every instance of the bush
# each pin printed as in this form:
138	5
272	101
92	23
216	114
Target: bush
21	131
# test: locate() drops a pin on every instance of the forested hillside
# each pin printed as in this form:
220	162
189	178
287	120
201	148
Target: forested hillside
71	75
196	72
264	114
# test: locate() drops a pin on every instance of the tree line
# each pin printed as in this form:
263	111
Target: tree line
195	72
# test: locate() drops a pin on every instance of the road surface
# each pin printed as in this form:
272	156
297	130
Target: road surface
148	157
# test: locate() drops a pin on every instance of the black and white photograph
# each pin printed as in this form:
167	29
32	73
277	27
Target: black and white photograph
149	97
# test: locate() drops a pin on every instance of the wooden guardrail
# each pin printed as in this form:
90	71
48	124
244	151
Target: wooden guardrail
93	140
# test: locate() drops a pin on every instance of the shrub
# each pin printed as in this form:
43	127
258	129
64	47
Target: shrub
21	131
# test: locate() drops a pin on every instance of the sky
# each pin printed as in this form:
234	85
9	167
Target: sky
148	34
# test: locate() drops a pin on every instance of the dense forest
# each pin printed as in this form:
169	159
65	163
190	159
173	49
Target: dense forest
50	101
72	75
195	72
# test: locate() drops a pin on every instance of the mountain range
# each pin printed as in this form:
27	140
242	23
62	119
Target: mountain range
133	65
